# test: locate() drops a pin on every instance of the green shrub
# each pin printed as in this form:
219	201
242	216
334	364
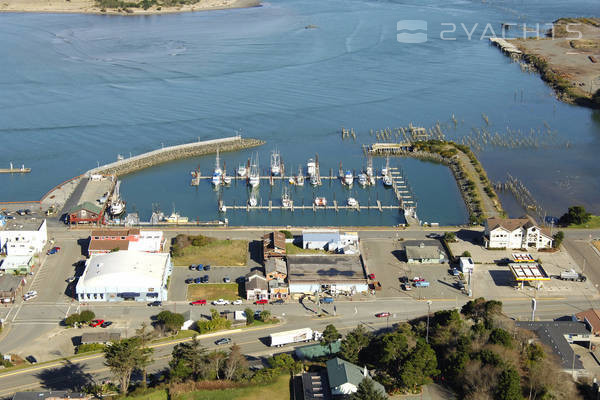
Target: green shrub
87	347
86	316
288	234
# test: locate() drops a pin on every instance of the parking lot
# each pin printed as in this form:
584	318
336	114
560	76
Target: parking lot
385	259
178	287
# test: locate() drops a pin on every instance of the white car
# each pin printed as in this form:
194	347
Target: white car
237	302
29	295
220	302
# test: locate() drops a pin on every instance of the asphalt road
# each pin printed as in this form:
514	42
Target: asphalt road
74	373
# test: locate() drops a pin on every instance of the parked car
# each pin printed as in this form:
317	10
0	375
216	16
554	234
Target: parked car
156	303
406	287
105	324
455	272
29	295
31	359
220	302
193	267
96	322
278	301
226	279
237	302
422	284
383	315
189	280
205	279
223	341
53	250
327	300
70	279
199	280
371	277
418	279
199	267
261	301
207	267
201	302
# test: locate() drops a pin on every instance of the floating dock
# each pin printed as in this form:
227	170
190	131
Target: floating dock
13	170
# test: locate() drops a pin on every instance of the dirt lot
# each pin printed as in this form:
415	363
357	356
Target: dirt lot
569	56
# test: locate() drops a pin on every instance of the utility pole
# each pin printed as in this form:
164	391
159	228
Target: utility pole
428	312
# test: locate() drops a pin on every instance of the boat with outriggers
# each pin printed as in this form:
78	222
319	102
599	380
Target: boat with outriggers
275	163
286	201
254	177
217	173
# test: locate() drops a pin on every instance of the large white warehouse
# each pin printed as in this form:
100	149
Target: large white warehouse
125	275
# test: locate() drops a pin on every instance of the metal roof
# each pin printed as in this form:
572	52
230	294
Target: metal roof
340	371
325	268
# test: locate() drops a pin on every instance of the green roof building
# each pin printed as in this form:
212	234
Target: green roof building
344	377
317	350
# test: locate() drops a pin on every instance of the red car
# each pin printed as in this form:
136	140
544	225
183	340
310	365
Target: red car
383	315
96	322
201	302
261	301
418	279
371	277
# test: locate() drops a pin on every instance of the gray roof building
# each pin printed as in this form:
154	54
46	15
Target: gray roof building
344	377
9	285
557	335
424	253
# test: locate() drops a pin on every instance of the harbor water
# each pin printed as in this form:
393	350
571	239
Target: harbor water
78	90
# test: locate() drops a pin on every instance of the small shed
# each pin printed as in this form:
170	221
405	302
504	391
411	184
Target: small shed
273	245
9	285
275	268
466	265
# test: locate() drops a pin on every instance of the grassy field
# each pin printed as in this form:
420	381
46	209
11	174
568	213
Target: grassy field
155	395
593	223
220	252
292	249
213	291
279	390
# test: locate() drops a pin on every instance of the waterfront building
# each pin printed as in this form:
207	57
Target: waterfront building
86	212
23	238
104	241
256	286
273	245
515	233
425	254
125	275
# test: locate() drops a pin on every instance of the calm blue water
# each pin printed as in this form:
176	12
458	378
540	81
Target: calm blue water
79	89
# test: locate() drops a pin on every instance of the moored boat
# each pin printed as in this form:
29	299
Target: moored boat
320	201
352	202
348	178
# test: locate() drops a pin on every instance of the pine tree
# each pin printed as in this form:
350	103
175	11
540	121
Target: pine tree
367	391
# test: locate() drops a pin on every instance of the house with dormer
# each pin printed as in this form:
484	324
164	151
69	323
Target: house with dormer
515	233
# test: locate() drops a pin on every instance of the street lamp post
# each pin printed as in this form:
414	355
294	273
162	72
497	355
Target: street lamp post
428	312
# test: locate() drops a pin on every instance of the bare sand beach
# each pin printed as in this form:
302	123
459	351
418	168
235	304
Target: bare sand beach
121	8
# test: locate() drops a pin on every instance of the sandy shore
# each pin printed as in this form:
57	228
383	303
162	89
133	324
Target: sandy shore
89	7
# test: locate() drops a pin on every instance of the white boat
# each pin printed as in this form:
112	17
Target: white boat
223	208
286	201
314	180
311	167
275	163
387	180
300	177
117	206
254	178
218	172
352	202
252	201
320	201
241	170
385	170
175	218
362	179
226	179
348	178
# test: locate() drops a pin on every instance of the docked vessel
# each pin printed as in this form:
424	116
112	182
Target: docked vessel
218	172
242	171
314	180
286	201
275	163
387	180
254	178
352	202
362	179
385	170
300	177
348	178
252	201
175	218
117	205
311	167
226	179
320	201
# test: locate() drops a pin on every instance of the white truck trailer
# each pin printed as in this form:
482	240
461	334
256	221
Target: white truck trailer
295	336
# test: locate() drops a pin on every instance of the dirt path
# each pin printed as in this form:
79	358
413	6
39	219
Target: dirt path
489	205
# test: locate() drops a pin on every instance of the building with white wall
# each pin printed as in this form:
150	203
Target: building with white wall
308	274
515	233
125	275
104	241
23	238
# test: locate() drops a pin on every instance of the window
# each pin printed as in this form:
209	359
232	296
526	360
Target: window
101	295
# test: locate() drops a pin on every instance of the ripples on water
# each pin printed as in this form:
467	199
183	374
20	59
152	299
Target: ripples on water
80	89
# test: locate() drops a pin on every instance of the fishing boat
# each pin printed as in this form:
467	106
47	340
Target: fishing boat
252	201
175	218
254	177
362	179
311	167
385	170
320	201
352	202
117	205
348	178
275	163
286	201
387	180
241	170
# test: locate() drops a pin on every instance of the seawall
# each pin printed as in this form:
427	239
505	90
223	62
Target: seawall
171	153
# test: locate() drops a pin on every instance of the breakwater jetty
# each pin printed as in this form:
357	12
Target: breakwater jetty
177	152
